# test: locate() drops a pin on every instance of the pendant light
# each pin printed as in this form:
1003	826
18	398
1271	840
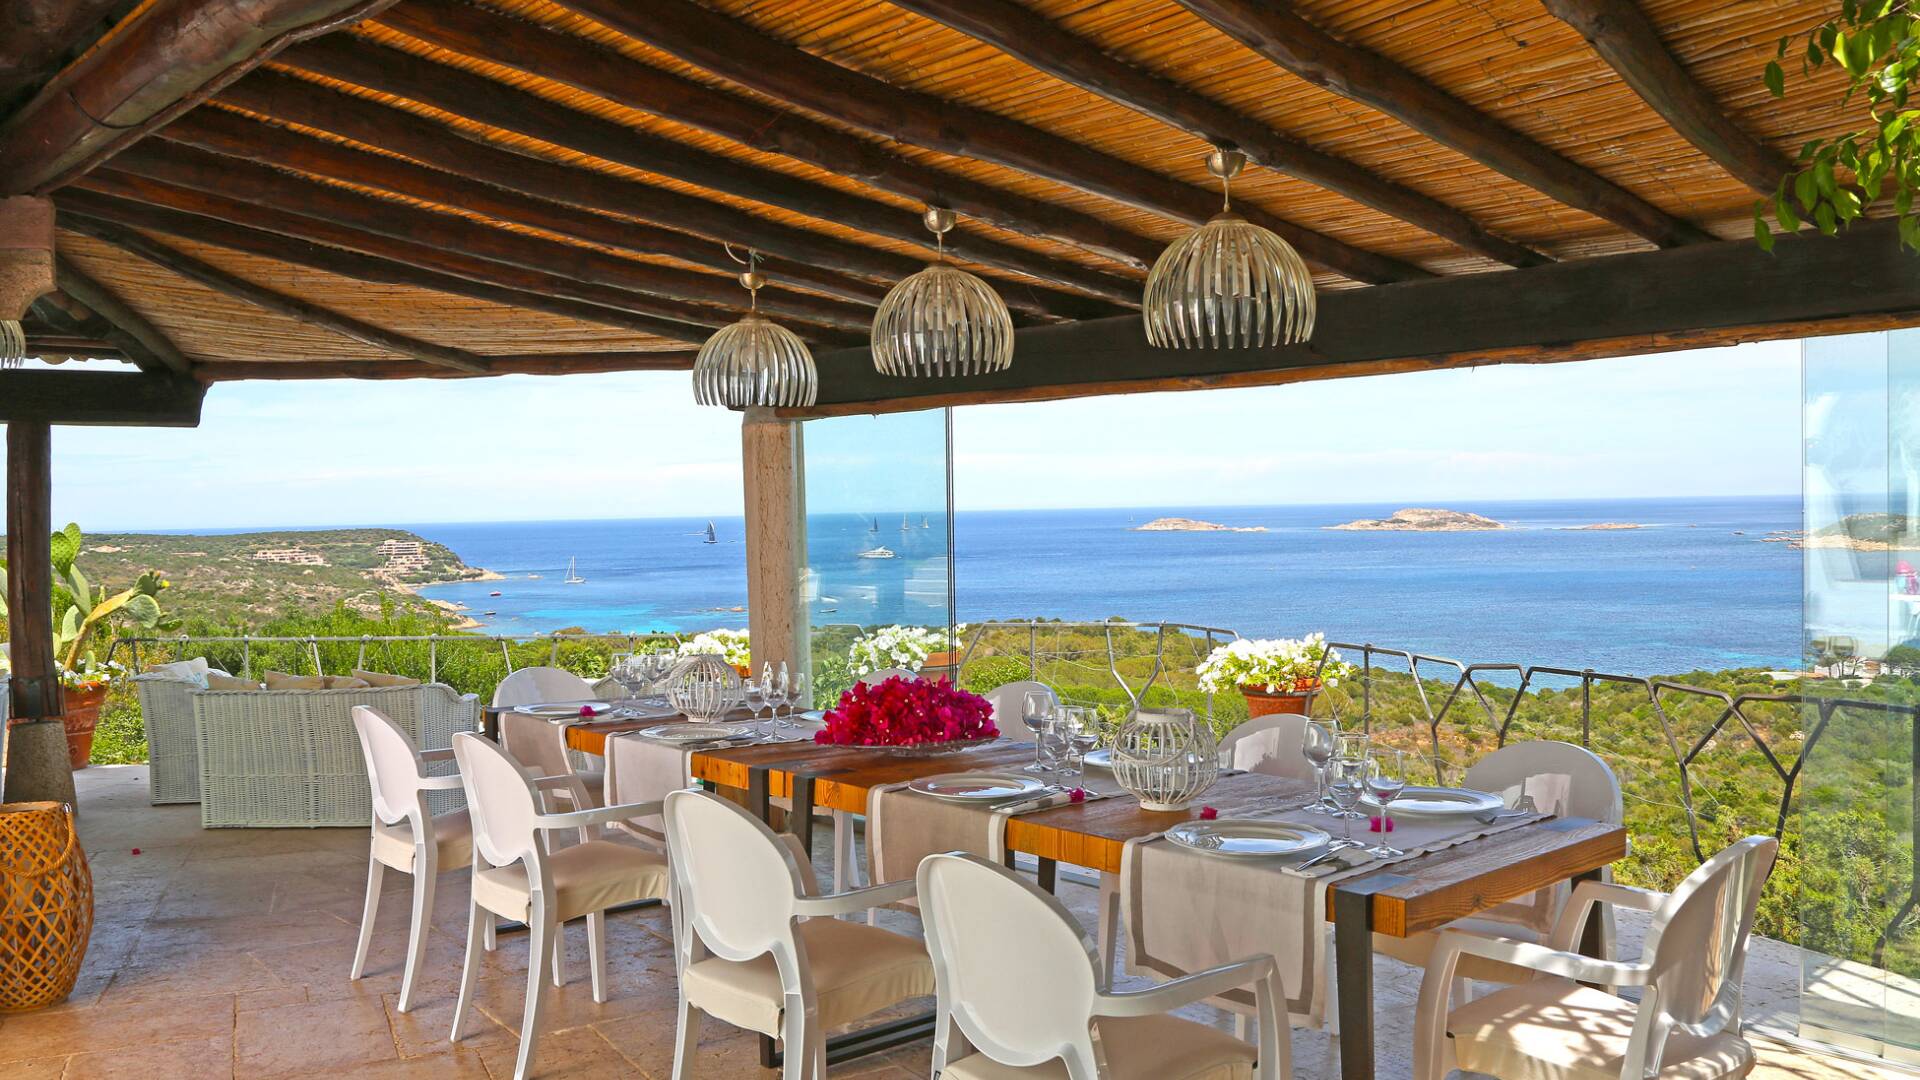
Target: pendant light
1228	284
942	321
13	344
754	362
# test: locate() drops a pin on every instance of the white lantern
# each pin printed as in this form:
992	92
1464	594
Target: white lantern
1166	758
704	687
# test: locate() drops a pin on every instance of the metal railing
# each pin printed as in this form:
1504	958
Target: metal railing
1211	635
313	642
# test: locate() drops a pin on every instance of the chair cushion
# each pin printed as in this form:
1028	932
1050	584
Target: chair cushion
452	836
1414	949
588	877
1555	1029
217	681
1136	1048
380	678
857	971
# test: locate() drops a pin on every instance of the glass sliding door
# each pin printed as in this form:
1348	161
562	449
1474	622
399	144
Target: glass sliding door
878	583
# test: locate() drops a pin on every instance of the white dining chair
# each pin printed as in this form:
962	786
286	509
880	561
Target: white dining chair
407	836
1561	1026
1268	744
541	745
756	947
540	685
516	877
1018	994
1009	701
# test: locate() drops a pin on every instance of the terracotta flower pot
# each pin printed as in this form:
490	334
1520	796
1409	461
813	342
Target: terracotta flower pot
81	717
1261	702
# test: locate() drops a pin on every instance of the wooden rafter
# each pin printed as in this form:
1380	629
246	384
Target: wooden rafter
1039	43
58	326
464	28
131	331
336	248
235	135
160	62
297	101
598	277
479	98
734	51
187	266
509	364
1626	39
1274	31
41	36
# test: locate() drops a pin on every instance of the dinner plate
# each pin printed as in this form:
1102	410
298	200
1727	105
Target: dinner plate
565	708
978	786
1250	838
1439	802
1099	759
696	732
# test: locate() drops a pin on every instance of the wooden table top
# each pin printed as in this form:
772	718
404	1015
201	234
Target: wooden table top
1411	896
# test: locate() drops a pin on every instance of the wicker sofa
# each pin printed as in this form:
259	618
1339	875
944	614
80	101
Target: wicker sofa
284	758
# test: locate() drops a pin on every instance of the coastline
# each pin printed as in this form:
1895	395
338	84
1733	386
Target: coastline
463	621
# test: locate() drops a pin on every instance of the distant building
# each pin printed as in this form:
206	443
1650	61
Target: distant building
403	557
291	556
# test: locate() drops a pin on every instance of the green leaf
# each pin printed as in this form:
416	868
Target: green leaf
1823	217
1776	79
144	610
1804	189
66	546
1783	213
1761	234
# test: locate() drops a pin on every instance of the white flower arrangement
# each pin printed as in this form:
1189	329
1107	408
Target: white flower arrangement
894	647
729	645
1278	666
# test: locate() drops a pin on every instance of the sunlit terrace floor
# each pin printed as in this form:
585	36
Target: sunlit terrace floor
225	952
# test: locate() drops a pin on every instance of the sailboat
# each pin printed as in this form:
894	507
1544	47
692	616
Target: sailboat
904	525
711	539
924	523
572	578
873	525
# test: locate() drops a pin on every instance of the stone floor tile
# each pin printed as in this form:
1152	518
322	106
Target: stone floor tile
26	1036
187	973
310	1037
195	1059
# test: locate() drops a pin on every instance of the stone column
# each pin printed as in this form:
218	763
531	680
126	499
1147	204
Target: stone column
776	510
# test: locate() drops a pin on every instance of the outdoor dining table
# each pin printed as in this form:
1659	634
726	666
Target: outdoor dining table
1401	900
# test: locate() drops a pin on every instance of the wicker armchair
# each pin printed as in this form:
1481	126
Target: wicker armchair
173	754
281	758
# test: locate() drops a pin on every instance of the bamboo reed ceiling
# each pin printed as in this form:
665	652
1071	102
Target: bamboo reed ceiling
436	167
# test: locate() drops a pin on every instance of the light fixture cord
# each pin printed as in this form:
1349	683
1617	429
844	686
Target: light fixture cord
1226	194
753	294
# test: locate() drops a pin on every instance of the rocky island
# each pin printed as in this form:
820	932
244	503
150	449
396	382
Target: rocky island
1604	526
1415	519
1180	524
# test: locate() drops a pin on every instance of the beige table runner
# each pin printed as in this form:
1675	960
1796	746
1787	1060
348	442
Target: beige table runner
904	826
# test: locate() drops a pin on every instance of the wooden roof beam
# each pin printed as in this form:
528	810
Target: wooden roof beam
62	327
599	278
509	364
131	331
160	62
734	51
238	136
207	222
1269	28
1042	44
111	398
500	105
1626	39
185	265
297	101
42	36
464	28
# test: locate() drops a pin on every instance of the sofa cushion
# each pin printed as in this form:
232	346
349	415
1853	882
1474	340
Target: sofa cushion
193	671
346	682
381	678
220	681
280	680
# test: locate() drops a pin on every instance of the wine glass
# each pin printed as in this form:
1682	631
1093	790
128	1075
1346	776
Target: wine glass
1059	738
777	694
798	697
1351	748
1083	735
1386	778
754	697
1346	778
1316	745
1036	711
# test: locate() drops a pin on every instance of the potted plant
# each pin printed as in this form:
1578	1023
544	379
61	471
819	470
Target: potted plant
905	647
1278	675
910	715
80	609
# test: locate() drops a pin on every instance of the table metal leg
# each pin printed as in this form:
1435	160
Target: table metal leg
1353	960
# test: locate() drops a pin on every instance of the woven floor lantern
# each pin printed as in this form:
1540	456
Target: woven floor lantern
46	905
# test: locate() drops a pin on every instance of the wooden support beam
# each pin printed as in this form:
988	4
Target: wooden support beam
97	398
294	100
219	280
163	60
131	331
730	49
1271	29
210	220
36	679
43	36
500	105
1698	296
772	463
464	28
1625	38
599	277
235	135
509	364
1040	43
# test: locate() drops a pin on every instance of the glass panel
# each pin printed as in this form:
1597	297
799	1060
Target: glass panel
879	546
1850	847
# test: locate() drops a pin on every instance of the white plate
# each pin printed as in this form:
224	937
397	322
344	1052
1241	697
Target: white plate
1250	837
695	732
1439	802
1100	759
978	786
565	708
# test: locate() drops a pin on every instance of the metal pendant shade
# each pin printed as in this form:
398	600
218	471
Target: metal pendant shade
1228	284
755	363
13	344
942	321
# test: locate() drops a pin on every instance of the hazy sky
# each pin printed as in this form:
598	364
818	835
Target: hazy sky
1714	422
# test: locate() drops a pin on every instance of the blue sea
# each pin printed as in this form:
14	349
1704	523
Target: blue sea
1692	588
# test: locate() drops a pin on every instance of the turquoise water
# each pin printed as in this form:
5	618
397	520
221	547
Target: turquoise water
1680	593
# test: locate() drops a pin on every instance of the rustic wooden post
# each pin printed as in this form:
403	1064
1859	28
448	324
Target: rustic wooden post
776	510
37	767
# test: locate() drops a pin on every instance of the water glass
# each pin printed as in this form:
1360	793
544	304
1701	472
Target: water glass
1346	781
754	696
1083	736
779	693
1316	745
1386	778
799	696
1036	712
1060	737
1349	751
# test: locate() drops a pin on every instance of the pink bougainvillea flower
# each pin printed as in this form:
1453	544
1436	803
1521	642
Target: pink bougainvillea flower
1077	795
1375	824
1208	813
906	712
588	710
